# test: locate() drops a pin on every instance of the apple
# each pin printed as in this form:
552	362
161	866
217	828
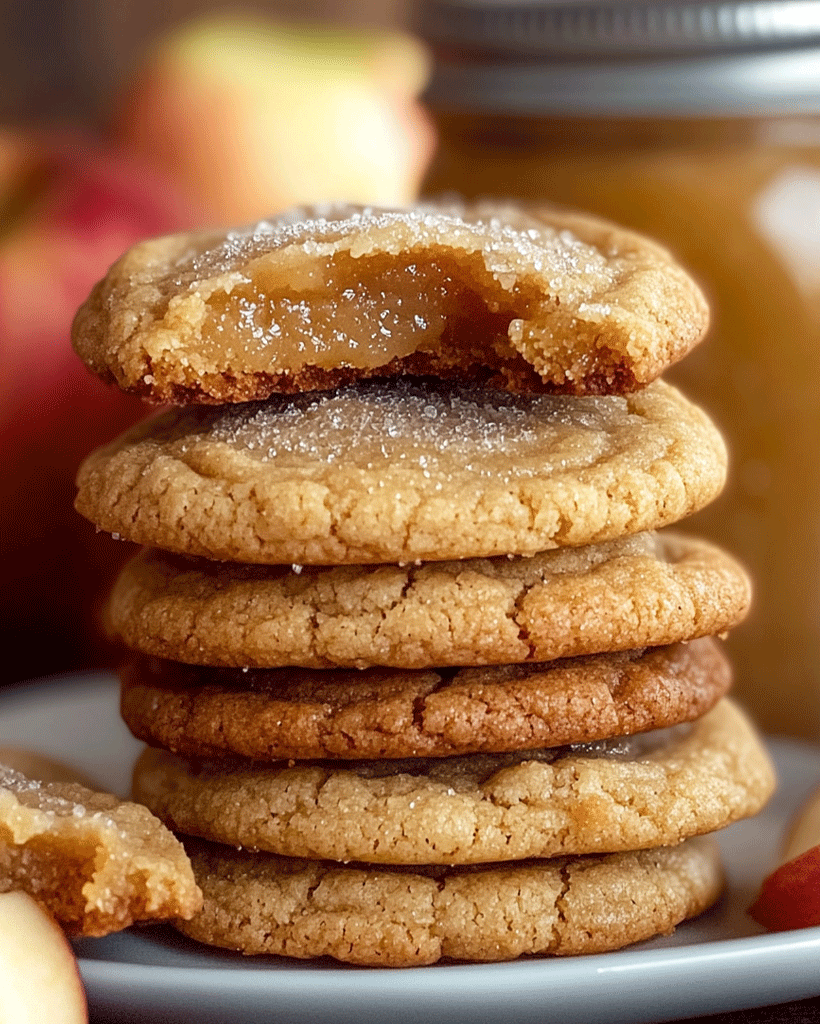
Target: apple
71	206
252	115
39	978
790	896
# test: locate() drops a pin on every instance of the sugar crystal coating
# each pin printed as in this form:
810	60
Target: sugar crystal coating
391	472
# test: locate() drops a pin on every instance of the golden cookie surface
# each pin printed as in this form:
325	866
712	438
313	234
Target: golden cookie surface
526	299
639	591
392	472
626	794
375	916
391	713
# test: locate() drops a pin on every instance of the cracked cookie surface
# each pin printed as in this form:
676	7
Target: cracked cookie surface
639	591
352	715
395	472
643	791
526	299
373	916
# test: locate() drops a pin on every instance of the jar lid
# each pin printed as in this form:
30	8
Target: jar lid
577	27
654	57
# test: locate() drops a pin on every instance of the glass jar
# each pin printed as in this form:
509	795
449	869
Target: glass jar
698	124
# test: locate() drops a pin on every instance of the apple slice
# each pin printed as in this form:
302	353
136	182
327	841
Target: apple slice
39	979
790	896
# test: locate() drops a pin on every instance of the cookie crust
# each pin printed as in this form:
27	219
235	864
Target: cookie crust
528	299
257	903
473	809
405	471
639	591
273	715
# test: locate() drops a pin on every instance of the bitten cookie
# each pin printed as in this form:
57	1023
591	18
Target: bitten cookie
287	713
645	590
624	794
260	903
95	862
488	292
403	471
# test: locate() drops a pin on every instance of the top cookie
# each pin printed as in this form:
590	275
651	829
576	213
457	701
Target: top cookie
525	299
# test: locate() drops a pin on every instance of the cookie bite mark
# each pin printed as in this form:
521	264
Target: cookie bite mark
528	300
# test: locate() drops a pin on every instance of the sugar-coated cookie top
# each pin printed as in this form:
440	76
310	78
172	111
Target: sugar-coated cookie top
391	473
528	299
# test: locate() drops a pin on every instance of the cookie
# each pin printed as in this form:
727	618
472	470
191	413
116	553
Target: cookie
392	472
345	714
626	794
639	591
260	903
488	292
95	862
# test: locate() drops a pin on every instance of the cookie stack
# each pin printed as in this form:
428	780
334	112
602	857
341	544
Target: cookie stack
415	666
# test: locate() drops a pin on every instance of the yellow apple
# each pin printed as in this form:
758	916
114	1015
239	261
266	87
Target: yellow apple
252	116
39	979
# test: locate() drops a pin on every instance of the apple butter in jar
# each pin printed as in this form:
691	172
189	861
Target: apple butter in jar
697	123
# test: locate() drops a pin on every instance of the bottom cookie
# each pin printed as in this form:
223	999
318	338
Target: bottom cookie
404	917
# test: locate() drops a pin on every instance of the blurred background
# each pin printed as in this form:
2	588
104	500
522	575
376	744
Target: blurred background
696	121
123	120
70	60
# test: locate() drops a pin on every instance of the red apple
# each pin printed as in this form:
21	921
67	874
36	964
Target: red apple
251	115
790	895
71	208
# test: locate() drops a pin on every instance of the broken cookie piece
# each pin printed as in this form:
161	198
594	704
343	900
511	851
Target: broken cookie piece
524	299
95	862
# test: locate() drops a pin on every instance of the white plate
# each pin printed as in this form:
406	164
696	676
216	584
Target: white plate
719	962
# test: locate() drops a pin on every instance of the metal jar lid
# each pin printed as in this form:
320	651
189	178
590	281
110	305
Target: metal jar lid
630	57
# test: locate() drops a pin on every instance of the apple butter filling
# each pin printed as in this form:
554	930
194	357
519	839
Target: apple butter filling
432	314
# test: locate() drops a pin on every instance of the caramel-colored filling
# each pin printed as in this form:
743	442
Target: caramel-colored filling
362	313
